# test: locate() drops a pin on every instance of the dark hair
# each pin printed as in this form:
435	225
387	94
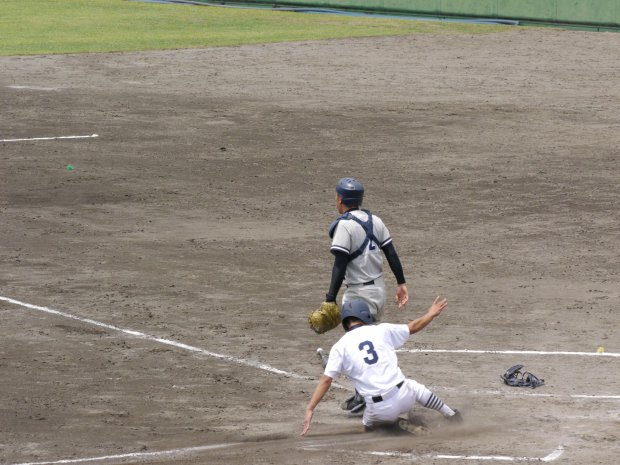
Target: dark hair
355	309
348	322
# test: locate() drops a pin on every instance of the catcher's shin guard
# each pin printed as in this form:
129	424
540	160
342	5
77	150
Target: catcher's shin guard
354	404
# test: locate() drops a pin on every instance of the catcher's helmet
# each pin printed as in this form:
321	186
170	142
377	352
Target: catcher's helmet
351	191
356	309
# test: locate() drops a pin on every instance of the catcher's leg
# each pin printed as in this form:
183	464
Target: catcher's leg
354	404
373	295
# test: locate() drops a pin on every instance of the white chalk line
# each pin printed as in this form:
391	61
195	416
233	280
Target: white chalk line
32	88
525	393
141	335
136	455
588	396
156	454
554	455
510	352
90	136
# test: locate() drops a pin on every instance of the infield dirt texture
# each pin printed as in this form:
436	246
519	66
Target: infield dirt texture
200	212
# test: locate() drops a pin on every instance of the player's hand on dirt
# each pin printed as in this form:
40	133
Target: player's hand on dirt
307	421
402	295
438	305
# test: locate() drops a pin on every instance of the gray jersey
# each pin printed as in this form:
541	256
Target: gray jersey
349	236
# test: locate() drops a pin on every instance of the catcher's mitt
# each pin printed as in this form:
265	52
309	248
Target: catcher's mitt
324	318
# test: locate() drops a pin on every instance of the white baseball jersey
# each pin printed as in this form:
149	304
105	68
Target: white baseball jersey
349	236
366	354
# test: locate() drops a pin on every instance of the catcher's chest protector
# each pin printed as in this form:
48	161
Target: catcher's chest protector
367	225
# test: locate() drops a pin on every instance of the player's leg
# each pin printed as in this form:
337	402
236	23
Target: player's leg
428	399
387	414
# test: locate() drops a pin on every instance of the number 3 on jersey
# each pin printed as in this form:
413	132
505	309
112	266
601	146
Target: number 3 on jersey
370	350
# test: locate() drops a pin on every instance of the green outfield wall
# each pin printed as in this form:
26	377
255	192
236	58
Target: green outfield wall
604	13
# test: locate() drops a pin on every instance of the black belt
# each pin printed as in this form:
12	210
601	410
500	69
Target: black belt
367	283
376	399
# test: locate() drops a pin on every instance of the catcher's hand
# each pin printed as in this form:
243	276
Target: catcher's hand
324	318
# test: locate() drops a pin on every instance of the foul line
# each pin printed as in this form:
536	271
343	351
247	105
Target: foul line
511	352
528	393
553	455
91	136
499	458
138	334
164	453
32	88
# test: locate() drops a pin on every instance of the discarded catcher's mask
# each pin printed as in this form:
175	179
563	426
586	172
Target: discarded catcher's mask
514	377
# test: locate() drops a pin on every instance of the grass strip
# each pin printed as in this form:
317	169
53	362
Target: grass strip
30	27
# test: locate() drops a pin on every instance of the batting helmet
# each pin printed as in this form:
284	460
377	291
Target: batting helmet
356	309
351	191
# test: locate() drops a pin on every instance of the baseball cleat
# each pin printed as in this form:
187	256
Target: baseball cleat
411	428
456	418
416	420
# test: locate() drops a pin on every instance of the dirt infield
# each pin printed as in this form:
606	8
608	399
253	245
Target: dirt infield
198	220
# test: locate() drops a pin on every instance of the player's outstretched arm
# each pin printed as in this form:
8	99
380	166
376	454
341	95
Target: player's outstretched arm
435	309
324	384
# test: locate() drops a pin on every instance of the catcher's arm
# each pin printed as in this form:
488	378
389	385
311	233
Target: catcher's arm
327	316
402	294
321	389
339	269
